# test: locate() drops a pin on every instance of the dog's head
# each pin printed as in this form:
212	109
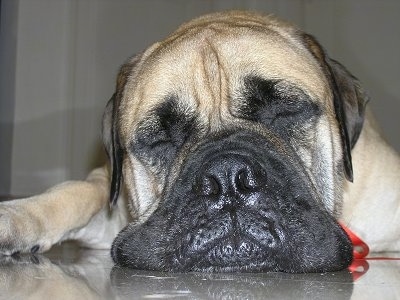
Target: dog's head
233	138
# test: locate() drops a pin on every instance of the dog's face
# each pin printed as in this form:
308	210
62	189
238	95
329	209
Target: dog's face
232	138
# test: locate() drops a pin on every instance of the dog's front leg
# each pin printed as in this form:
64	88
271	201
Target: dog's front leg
71	210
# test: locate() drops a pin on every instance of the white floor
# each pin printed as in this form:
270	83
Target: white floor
68	272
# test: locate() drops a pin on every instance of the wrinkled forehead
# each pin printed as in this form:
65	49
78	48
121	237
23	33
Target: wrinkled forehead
205	66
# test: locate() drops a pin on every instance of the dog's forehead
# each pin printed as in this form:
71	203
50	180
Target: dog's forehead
204	63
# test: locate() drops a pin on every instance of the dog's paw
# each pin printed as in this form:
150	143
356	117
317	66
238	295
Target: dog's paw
20	231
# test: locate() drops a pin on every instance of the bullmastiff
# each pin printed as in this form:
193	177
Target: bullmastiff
236	144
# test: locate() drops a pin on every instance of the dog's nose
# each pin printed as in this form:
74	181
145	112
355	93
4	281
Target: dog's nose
228	175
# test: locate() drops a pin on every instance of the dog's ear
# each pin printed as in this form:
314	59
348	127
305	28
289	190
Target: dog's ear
112	145
349	100
110	130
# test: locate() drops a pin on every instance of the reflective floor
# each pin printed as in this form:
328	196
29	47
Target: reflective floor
69	272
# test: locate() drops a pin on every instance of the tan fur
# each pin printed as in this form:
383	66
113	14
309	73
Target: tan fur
372	203
231	44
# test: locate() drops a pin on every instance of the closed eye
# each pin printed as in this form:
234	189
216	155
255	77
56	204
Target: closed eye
159	138
162	133
275	103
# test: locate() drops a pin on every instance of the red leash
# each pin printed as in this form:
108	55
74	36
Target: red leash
360	265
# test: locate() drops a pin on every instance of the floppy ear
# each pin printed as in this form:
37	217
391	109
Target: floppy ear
112	145
349	101
110	130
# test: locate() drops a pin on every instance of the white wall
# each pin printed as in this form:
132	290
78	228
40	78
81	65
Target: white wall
8	25
59	59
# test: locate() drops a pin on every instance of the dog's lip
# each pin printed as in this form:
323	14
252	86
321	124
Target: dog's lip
231	252
227	256
232	249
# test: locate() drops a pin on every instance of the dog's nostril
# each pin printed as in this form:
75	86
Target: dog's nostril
208	185
244	181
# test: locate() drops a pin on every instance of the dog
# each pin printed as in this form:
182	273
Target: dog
236	144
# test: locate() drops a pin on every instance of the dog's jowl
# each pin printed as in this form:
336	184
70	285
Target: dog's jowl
236	144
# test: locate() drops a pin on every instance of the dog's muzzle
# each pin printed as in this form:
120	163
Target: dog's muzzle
238	204
229	186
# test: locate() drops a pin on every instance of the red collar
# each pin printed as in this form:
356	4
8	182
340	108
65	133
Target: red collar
360	248
360	265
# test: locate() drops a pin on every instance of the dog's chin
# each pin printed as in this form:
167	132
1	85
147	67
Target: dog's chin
227	256
301	251
245	254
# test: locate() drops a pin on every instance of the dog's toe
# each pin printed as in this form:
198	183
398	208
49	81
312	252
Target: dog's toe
17	231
